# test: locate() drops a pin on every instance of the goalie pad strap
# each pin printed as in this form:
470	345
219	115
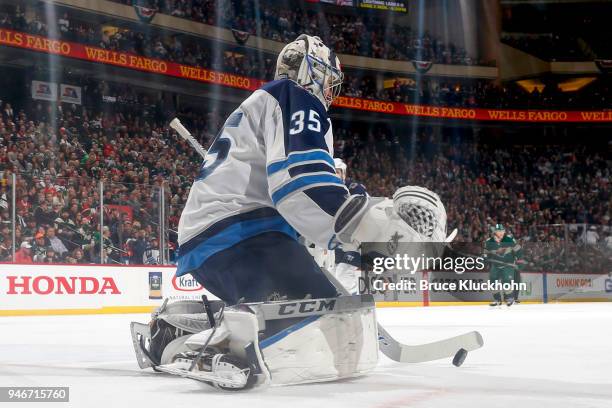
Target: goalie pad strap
186	315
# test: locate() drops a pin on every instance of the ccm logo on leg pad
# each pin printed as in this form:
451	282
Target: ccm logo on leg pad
307	307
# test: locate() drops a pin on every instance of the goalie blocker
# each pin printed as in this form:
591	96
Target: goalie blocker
255	344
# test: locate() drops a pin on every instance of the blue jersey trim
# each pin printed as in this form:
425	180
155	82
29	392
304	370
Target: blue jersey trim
300	157
292	98
229	237
217	227
284	333
305	181
329	198
234	119
278	86
310	168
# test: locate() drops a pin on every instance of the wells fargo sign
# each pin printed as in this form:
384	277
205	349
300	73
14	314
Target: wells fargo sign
473	113
125	60
131	61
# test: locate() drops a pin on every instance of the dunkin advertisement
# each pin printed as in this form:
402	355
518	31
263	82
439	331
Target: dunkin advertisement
430	287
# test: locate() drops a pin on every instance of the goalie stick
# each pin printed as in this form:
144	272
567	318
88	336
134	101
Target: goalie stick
456	346
185	134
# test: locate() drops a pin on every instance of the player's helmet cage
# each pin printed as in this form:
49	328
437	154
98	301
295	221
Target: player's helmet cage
313	66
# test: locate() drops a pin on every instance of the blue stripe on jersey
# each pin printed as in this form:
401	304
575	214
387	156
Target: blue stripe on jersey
229	237
285	332
310	168
293	98
296	184
328	198
217	227
300	157
234	119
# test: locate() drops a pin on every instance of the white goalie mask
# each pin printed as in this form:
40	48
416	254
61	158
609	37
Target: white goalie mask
422	210
313	66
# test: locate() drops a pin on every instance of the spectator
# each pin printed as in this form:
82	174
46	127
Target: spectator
608	241
138	247
50	256
44	214
54	242
39	249
77	255
591	237
151	253
24	254
64	25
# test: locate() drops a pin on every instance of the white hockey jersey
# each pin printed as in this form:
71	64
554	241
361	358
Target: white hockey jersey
270	168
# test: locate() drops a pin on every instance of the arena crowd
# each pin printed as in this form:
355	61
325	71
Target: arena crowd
60	153
193	51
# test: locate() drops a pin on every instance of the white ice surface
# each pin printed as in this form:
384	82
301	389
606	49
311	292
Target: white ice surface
556	355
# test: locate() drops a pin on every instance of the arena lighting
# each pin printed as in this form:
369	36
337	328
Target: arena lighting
217	55
414	121
54	63
390	83
566	85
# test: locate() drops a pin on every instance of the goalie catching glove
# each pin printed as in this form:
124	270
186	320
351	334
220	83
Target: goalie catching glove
415	214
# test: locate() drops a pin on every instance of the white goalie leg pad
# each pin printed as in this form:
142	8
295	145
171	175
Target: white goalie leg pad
330	339
198	340
243	341
323	348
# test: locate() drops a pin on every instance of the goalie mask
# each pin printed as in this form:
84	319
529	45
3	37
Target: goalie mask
313	66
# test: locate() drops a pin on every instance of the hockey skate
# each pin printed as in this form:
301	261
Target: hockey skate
180	341
222	371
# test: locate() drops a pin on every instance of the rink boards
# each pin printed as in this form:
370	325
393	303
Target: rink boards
85	289
541	287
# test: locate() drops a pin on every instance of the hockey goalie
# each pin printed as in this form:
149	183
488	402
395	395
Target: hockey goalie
268	178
